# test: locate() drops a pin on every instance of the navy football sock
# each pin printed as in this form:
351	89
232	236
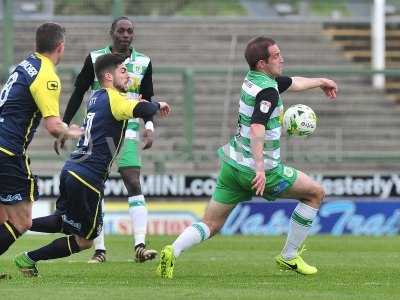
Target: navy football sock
58	248
49	224
8	235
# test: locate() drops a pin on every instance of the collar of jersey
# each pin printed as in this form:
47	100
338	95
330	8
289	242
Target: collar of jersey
258	73
114	90
133	52
44	58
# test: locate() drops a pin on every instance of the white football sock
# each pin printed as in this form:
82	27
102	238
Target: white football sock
138	213
300	223
99	241
191	236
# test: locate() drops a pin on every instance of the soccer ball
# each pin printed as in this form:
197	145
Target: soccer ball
299	120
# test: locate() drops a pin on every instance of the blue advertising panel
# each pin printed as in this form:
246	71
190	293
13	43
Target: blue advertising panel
335	217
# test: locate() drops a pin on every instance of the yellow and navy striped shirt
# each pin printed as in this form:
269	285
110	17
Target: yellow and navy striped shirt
31	92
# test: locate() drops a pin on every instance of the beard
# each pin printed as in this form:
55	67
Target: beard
121	87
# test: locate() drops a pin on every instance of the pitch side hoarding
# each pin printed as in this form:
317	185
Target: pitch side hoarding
377	186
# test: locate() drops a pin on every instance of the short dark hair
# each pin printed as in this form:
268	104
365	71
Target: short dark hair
257	49
114	23
107	63
48	36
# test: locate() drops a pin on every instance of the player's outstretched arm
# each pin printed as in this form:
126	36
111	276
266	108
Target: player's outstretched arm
329	86
147	112
146	109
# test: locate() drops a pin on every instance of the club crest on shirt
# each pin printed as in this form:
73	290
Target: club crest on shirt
265	106
138	69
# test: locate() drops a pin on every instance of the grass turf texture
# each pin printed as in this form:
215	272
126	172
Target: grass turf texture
223	268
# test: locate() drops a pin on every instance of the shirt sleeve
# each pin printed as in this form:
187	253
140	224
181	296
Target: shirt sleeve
146	86
82	83
45	90
284	83
121	106
266	101
86	76
145	110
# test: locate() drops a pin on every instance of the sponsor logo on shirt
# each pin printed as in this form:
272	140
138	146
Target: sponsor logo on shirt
29	68
52	85
134	83
248	83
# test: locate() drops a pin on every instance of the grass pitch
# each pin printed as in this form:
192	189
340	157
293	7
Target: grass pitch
223	268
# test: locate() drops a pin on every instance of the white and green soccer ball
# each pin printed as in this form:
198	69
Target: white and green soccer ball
299	120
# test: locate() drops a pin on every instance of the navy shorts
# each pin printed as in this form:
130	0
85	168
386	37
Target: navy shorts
80	206
16	180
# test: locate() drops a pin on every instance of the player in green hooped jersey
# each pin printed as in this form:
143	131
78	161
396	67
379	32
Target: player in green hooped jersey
129	163
251	163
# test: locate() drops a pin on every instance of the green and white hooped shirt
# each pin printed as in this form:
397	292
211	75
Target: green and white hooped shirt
136	65
238	151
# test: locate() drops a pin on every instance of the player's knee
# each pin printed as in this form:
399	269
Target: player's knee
315	196
133	185
83	243
321	193
131	177
22	225
3	216
318	194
